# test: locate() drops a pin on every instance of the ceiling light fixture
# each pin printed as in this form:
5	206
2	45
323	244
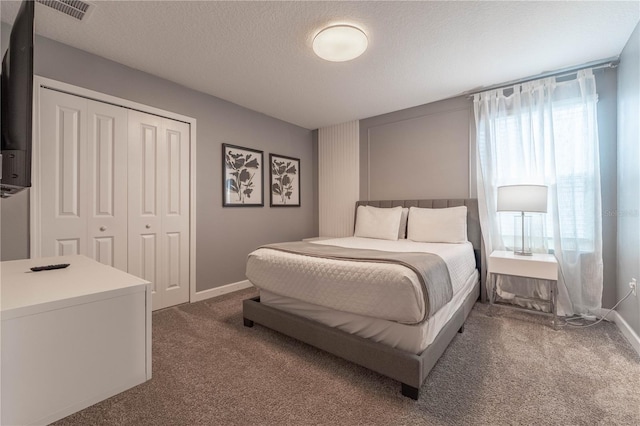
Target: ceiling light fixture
340	43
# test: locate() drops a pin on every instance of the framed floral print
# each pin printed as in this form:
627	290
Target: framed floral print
242	170
284	182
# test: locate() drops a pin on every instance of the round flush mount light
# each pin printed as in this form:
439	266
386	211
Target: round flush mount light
340	43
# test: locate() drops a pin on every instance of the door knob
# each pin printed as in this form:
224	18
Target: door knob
147	226
103	228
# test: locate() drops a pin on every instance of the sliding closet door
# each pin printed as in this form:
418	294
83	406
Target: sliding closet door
159	206
83	166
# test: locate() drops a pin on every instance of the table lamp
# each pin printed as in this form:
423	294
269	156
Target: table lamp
522	198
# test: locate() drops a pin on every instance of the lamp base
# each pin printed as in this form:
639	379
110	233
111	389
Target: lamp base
522	224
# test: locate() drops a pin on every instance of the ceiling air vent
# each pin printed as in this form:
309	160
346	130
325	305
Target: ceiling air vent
75	8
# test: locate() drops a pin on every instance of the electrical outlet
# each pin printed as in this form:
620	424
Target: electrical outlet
633	285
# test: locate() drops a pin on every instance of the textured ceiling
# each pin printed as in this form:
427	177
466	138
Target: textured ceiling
258	54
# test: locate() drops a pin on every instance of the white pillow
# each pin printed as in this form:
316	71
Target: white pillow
402	232
381	223
447	225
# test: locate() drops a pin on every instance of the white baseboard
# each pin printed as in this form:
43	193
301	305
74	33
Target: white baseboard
623	326
627	331
219	291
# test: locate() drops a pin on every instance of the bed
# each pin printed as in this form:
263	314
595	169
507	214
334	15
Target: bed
382	323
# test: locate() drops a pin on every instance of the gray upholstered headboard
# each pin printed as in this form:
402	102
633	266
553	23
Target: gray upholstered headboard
474	234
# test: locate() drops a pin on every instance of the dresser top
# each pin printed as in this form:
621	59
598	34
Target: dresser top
23	292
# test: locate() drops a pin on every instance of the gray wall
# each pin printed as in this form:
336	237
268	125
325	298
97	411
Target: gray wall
607	86
628	211
429	152
224	235
420	152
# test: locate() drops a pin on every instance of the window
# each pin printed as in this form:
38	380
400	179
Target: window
522	154
545	132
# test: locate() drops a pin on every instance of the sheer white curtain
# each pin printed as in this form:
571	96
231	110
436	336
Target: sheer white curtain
545	132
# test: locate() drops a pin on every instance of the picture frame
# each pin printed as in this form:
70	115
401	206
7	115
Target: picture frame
284	181
242	176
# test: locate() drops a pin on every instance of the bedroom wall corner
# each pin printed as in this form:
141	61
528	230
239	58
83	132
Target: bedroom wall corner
627	214
316	211
338	178
607	86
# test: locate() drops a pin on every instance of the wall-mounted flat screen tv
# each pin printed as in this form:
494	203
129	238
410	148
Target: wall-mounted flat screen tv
17	103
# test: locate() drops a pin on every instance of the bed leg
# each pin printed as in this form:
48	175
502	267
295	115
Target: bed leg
410	391
247	322
461	329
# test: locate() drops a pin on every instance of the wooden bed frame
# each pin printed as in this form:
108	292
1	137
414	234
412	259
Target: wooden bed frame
409	369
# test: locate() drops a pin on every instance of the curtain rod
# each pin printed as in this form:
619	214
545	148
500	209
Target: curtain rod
607	63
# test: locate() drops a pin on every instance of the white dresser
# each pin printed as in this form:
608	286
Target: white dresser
70	337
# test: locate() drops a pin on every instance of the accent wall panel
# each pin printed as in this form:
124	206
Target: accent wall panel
338	178
419	158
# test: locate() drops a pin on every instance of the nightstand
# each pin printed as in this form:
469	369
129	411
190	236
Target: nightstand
538	265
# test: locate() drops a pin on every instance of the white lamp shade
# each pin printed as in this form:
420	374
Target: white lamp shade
340	43
522	198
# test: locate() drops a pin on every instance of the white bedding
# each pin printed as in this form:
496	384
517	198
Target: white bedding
378	290
411	338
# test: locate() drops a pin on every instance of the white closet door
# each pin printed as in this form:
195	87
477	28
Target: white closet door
175	213
145	220
63	131
159	206
83	166
107	173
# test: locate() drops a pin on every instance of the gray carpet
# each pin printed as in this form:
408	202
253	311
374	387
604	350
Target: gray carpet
506	368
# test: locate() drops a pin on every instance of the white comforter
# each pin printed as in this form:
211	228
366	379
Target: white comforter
379	290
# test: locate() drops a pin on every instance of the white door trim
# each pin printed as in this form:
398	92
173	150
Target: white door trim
35	214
